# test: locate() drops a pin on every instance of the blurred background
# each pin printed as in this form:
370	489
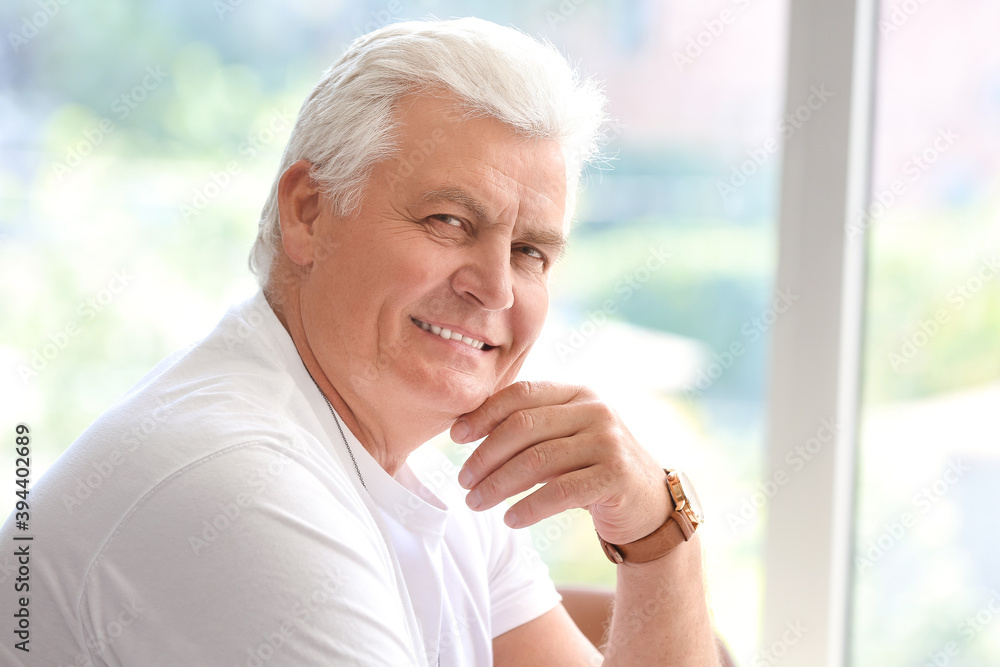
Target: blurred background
139	139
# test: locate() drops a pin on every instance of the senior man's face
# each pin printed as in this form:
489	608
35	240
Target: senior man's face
456	235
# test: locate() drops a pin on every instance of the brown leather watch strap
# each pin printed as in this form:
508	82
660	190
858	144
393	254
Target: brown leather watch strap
657	544
676	530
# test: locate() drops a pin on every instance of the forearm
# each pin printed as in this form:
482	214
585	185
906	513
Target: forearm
661	613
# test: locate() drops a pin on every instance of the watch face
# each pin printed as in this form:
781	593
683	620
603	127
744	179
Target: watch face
692	496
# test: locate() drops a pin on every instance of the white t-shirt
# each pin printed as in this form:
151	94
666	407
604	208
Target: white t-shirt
213	516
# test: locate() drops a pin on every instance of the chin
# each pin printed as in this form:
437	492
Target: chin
464	402
460	397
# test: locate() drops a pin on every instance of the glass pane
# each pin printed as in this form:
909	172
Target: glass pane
139	140
927	587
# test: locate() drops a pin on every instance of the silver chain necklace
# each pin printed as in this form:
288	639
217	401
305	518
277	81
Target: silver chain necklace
344	437
351	453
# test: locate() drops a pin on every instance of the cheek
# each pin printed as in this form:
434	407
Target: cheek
531	315
410	271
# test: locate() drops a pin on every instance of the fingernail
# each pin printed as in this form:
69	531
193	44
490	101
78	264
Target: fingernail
465	478
460	431
474	499
510	518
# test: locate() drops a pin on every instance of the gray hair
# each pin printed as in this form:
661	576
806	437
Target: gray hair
346	124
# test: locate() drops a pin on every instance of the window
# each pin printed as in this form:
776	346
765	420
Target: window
925	581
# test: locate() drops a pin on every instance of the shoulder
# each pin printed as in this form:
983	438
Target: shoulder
238	414
258	490
236	386
261	540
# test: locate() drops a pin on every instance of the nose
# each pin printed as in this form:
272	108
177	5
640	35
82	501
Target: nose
484	277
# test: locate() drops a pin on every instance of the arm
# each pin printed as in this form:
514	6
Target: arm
660	618
590	609
577	447
552	640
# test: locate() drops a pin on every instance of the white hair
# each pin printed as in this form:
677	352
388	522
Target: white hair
347	123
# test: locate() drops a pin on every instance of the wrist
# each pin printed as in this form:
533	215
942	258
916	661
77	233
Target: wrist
683	511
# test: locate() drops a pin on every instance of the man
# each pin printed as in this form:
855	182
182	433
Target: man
279	509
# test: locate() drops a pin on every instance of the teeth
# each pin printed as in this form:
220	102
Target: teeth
448	334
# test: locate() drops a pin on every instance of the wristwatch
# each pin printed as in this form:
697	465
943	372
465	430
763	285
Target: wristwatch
677	529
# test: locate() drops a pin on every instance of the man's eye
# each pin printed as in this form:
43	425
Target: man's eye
448	219
530	252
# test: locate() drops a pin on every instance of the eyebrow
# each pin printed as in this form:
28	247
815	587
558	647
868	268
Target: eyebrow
556	241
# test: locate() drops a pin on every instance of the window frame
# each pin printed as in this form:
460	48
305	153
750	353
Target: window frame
814	366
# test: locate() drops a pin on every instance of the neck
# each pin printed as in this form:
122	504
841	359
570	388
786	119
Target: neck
388	435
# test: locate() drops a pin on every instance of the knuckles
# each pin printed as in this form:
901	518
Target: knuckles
490	489
603	415
618	464
521	421
606	424
562	491
596	426
524	389
475	463
535	459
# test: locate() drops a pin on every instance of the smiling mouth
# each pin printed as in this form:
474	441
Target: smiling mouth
448	334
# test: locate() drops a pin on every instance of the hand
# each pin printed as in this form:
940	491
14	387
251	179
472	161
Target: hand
565	438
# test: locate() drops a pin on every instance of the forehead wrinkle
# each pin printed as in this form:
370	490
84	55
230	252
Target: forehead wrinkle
525	194
518	184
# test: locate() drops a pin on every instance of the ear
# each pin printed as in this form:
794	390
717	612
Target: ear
299	209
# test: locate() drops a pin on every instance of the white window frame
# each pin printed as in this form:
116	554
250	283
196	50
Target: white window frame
816	345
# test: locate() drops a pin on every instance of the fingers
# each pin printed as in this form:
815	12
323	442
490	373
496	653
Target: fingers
499	406
519	431
579	488
576	446
539	464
